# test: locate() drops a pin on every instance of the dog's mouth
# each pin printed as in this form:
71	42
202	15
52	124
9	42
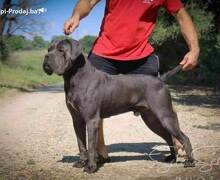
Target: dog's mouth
47	69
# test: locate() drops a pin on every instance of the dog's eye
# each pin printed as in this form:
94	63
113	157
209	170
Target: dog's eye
61	51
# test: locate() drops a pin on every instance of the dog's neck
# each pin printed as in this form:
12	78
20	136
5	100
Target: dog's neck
75	66
77	71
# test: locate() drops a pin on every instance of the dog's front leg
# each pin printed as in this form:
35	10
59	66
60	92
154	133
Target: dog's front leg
80	130
92	129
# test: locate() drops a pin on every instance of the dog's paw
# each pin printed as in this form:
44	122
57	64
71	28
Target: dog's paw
136	113
79	164
189	163
170	159
181	153
90	169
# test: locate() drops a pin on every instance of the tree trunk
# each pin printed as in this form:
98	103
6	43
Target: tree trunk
3	20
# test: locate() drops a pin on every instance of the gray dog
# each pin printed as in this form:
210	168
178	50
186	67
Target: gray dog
92	95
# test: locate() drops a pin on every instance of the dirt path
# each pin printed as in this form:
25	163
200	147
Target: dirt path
37	139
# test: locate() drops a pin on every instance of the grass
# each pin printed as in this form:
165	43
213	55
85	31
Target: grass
24	71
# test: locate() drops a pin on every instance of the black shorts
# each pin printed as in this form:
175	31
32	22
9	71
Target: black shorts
148	65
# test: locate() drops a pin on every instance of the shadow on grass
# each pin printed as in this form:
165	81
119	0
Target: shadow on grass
148	150
52	88
210	126
22	89
187	95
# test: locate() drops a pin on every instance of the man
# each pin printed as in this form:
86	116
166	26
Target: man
122	45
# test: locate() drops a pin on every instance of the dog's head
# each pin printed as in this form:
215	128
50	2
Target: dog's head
61	55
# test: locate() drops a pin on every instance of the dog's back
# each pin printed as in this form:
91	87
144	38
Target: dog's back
123	93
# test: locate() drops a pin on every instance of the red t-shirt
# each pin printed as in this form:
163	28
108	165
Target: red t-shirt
127	26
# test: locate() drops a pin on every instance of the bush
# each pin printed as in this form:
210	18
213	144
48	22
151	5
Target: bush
60	37
39	43
16	42
4	50
171	47
87	42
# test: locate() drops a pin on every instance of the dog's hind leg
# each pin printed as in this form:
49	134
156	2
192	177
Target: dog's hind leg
176	132
161	105
154	124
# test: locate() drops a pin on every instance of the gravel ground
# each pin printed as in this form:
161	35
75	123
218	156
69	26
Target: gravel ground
37	140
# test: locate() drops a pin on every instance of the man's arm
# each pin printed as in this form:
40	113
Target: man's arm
189	33
81	10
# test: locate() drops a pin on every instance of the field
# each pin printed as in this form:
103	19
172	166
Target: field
24	71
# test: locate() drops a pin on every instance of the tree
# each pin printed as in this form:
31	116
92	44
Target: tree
16	43
39	43
87	42
171	47
212	6
12	23
60	37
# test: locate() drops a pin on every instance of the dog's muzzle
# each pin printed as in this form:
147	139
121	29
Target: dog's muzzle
47	68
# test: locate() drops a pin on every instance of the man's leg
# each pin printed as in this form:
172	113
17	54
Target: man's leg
107	66
102	150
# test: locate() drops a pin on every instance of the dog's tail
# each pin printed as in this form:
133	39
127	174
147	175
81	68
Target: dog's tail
170	73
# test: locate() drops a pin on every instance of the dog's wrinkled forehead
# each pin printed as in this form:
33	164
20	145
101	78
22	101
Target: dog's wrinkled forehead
63	44
56	44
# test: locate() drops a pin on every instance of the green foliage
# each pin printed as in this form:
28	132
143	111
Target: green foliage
203	21
16	42
209	70
60	37
167	28
217	45
171	47
87	42
39	43
26	71
4	50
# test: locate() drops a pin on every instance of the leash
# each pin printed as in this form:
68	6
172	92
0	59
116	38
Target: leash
170	73
72	105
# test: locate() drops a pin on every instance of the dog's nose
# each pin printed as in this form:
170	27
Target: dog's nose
47	68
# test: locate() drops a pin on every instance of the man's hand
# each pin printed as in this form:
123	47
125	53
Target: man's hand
190	60
71	24
81	10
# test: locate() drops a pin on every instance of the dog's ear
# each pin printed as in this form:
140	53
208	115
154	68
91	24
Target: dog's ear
55	41
76	48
